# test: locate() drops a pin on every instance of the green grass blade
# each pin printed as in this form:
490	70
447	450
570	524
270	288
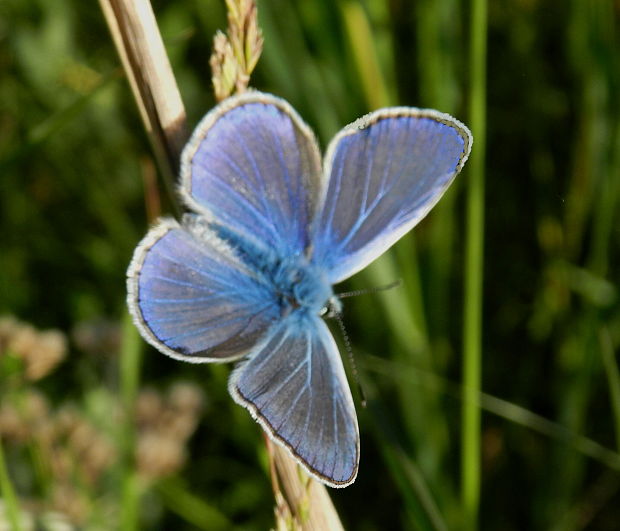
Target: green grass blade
365	56
503	409
8	493
470	434
190	507
613	378
130	360
418	499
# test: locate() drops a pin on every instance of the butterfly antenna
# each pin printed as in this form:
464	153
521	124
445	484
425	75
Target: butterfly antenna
357	292
347	347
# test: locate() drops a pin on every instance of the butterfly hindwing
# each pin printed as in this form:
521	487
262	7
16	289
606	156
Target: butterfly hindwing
385	172
192	298
253	166
295	386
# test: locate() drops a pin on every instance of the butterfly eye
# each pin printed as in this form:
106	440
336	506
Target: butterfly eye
332	309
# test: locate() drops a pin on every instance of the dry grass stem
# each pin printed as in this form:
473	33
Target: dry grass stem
309	503
236	53
141	49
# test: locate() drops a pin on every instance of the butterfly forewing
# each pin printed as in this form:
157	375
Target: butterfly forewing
296	388
385	172
254	166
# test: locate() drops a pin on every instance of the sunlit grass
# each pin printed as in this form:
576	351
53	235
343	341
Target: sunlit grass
474	269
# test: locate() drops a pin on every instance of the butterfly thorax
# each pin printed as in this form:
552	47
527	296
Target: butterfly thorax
298	284
301	285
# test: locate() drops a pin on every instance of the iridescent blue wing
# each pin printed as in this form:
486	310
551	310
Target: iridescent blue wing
295	386
192	298
385	172
253	166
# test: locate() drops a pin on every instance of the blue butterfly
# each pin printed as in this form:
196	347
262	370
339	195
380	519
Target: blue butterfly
248	274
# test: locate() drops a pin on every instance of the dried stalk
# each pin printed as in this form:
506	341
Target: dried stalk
308	501
140	47
236	52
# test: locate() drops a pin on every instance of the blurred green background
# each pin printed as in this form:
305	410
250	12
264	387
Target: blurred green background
74	166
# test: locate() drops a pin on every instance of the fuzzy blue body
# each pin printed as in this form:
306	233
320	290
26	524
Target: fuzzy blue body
296	284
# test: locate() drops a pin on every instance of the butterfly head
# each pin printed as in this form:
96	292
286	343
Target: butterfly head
333	307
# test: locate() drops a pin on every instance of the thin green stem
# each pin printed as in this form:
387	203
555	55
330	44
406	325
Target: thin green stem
365	55
131	350
613	377
7	493
190	507
470	434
